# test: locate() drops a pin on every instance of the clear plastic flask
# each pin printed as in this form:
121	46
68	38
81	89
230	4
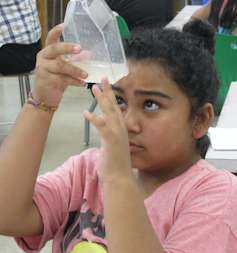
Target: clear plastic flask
92	24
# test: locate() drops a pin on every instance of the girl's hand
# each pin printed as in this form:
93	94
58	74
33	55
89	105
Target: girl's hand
114	160
53	72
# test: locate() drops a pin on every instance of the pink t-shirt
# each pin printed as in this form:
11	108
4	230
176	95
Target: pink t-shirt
195	212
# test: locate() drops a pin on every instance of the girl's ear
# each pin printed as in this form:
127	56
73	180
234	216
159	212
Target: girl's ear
203	120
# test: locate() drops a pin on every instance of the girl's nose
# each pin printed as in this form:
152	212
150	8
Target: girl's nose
131	120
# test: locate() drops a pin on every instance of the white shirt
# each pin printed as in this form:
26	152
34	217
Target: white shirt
19	22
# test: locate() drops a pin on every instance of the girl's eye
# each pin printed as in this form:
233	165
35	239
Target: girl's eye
151	105
120	102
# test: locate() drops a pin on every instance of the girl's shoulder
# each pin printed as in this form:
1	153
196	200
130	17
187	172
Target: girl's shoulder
75	167
202	183
201	190
203	173
88	157
212	192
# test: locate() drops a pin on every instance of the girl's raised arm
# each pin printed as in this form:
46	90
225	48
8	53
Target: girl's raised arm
22	150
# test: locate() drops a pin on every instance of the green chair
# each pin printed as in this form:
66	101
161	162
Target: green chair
123	28
226	63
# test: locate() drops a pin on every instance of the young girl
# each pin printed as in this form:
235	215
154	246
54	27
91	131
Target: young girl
154	120
222	14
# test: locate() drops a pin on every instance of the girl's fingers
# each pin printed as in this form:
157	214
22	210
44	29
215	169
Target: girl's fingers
83	56
61	67
111	111
110	97
106	131
59	48
65	80
111	124
60	73
53	35
54	49
58	65
102	100
97	121
108	92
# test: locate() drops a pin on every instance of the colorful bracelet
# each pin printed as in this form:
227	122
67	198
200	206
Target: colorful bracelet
41	105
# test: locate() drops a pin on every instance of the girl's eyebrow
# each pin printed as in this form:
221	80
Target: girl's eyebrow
153	93
116	88
144	92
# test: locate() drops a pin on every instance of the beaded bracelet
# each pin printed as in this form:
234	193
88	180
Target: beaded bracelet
41	105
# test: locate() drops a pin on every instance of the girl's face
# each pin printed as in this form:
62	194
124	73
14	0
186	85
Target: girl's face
157	116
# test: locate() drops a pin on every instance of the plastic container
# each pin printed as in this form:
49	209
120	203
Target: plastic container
92	24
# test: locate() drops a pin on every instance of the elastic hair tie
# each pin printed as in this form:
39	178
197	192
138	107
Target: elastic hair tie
41	105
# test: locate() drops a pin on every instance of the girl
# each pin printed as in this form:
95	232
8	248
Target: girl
222	14
155	121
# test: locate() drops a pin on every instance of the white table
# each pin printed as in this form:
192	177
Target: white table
228	119
183	16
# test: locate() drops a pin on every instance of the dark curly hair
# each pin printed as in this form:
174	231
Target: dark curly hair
187	58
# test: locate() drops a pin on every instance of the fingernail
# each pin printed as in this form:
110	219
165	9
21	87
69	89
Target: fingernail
84	74
105	79
86	112
83	83
60	26
76	49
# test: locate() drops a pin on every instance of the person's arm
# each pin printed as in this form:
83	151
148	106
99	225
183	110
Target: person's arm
22	150
202	13
128	228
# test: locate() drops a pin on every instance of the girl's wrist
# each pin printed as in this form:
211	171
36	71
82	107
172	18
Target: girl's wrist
40	105
127	178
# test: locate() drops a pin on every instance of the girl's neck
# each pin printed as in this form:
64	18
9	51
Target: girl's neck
149	181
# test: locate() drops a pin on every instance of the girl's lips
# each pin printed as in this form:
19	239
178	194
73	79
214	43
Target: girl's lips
131	143
133	146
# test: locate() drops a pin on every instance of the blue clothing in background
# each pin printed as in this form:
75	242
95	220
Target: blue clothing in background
228	31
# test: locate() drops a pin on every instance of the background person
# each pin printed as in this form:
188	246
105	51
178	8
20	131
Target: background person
20	33
222	14
142	13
